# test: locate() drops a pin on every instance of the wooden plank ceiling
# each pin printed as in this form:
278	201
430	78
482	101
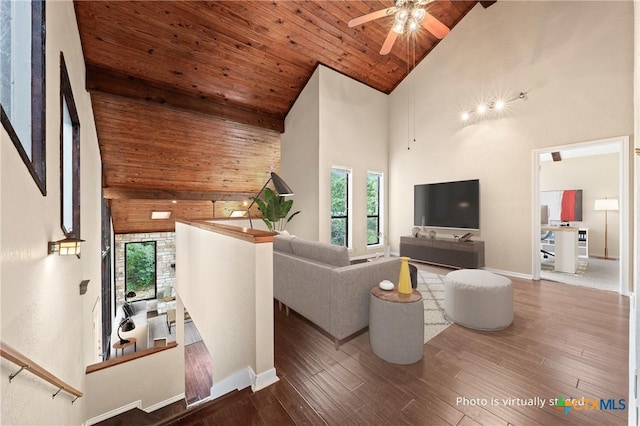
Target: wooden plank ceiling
189	97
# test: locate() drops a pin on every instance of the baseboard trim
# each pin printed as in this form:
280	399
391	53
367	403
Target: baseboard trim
114	412
264	379
242	379
164	403
510	273
236	381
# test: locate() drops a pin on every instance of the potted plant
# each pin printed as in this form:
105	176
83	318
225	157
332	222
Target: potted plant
274	209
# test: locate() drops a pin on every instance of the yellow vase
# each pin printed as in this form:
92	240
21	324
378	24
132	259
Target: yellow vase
404	280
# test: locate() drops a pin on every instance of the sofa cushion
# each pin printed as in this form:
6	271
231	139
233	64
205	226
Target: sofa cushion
139	306
282	243
128	310
320	252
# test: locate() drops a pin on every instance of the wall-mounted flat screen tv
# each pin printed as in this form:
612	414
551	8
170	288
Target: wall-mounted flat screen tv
447	205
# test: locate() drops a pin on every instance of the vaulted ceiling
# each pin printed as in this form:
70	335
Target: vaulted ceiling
189	97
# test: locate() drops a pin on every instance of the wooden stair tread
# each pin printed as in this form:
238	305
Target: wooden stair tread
134	416
206	409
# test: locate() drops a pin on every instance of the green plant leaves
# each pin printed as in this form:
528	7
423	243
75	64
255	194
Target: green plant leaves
275	209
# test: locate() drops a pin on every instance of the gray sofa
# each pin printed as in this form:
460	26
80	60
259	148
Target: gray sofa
317	281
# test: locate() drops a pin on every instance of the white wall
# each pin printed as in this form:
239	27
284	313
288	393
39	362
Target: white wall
154	381
353	133
299	146
351	121
597	176
575	61
226	284
43	314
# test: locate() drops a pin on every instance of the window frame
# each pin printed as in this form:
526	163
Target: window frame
36	164
349	202
380	208
155	270
66	97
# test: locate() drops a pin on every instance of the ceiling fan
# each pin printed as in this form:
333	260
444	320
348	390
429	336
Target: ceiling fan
409	15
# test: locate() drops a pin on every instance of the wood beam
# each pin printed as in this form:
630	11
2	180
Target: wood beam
113	193
114	83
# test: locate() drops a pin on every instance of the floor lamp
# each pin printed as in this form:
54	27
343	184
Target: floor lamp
606	205
281	189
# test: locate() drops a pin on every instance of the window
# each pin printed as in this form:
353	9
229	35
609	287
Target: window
340	206
22	82
69	156
140	270
374	206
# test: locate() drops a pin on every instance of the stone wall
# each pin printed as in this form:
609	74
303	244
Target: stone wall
165	257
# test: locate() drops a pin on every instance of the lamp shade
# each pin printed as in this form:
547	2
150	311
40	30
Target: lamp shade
607	204
65	247
126	324
280	185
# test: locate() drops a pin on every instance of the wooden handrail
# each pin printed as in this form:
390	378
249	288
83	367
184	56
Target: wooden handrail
25	363
255	236
128	357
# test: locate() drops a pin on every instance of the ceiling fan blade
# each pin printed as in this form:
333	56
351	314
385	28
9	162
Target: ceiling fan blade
370	17
388	43
435	27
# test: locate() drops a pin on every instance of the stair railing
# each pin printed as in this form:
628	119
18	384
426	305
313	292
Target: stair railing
25	363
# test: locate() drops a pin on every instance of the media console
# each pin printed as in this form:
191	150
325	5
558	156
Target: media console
445	252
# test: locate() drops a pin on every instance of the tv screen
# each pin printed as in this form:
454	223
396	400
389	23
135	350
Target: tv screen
447	205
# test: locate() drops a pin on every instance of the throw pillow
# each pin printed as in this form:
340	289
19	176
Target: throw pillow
321	252
128	310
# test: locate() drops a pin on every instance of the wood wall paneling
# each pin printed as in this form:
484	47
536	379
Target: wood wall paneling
189	98
134	216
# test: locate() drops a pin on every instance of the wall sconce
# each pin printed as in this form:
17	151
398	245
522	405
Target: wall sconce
482	110
65	247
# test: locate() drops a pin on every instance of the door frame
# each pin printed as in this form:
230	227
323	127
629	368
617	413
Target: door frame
625	207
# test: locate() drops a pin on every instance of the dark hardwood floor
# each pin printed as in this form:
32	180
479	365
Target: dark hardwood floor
565	341
197	366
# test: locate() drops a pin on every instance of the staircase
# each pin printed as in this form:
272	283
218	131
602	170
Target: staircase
191	416
132	417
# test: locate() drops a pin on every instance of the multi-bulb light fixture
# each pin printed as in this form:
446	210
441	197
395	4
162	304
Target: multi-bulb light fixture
409	16
482	109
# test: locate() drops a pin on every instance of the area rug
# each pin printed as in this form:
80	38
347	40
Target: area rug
158	329
431	286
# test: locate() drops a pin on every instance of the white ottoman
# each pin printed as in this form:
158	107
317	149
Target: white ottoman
478	299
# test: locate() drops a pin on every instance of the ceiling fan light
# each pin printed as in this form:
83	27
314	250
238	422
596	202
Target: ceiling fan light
499	104
482	108
418	15
398	28
402	16
464	116
413	25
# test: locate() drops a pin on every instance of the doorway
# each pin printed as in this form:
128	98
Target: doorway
603	262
